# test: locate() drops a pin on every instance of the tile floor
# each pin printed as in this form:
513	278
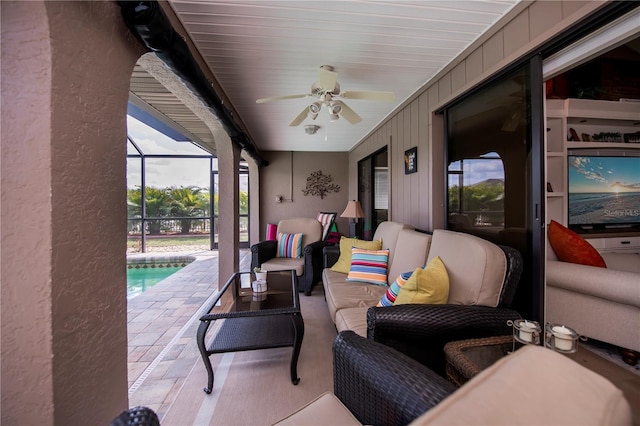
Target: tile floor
162	325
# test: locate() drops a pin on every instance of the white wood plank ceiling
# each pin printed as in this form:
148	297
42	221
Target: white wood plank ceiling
262	49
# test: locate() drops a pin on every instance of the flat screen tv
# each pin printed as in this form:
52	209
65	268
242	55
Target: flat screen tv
604	192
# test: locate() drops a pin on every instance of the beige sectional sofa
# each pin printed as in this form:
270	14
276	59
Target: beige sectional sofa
601	303
477	270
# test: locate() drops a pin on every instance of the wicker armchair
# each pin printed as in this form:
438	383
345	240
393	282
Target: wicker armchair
380	386
421	331
137	416
309	268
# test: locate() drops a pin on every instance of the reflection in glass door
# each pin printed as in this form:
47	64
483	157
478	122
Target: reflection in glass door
373	192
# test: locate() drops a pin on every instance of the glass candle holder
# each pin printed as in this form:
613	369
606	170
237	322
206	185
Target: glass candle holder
560	338
259	286
526	331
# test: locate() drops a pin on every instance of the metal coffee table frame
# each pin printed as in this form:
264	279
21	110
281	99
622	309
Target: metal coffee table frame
255	320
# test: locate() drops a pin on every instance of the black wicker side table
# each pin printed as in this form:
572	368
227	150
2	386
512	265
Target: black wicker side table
466	358
270	319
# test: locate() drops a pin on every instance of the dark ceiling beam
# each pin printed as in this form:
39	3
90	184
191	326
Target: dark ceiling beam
152	28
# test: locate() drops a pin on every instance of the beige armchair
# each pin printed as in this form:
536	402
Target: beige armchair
308	267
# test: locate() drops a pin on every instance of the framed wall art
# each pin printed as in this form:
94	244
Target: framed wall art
411	160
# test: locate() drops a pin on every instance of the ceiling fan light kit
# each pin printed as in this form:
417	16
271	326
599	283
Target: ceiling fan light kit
315	107
325	89
311	129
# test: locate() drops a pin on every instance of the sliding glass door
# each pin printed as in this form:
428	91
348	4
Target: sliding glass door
494	171
373	192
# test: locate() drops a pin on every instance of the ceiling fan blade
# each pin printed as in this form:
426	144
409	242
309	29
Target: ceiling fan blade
300	118
349	114
371	96
328	80
279	98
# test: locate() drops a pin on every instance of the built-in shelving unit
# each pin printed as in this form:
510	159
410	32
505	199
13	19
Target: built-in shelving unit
572	124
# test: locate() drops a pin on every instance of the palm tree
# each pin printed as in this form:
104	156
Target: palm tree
157	204
186	202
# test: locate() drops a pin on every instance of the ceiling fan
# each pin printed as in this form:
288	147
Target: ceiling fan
326	89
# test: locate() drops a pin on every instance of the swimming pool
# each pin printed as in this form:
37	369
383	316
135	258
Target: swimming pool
145	272
139	280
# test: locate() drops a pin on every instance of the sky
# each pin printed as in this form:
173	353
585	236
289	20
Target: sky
165	172
480	170
604	174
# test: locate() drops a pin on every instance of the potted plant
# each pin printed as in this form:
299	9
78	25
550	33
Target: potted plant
260	274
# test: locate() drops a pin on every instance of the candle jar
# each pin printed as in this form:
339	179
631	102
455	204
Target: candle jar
525	331
259	286
560	338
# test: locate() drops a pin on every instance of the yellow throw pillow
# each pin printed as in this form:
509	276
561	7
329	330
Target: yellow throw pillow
429	285
346	244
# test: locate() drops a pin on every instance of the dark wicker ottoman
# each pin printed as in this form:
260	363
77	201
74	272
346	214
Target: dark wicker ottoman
466	358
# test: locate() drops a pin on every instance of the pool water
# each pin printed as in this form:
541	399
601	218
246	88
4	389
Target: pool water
140	279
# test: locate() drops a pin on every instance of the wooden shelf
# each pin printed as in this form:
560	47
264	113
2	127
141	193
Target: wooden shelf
602	145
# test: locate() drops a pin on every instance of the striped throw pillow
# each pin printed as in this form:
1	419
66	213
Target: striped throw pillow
289	245
326	219
369	266
393	290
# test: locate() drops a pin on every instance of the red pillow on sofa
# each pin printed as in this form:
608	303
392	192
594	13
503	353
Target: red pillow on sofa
571	247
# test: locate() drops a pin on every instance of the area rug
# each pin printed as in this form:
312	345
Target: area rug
254	387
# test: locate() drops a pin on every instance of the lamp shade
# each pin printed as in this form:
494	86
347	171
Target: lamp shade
353	210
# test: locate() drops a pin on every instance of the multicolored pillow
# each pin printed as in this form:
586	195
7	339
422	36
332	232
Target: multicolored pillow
369	266
428	286
289	245
571	247
393	290
344	261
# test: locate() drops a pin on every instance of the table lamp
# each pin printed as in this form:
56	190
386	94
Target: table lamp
353	211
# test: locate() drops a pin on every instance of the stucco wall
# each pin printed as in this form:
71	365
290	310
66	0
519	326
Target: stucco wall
27	383
417	198
65	74
287	175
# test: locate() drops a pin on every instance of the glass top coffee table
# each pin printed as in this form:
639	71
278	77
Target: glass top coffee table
270	319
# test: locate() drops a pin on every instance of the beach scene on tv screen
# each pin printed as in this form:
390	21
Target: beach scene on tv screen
604	190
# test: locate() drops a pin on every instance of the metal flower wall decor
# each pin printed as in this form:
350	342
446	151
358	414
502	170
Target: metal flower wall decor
320	184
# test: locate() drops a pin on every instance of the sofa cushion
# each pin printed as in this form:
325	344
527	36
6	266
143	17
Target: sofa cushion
476	267
308	226
324	410
427	286
534	385
369	266
393	290
387	232
341	294
409	252
354	319
571	247
289	245
346	244
283	264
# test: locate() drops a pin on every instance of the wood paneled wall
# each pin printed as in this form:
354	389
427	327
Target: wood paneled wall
417	198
